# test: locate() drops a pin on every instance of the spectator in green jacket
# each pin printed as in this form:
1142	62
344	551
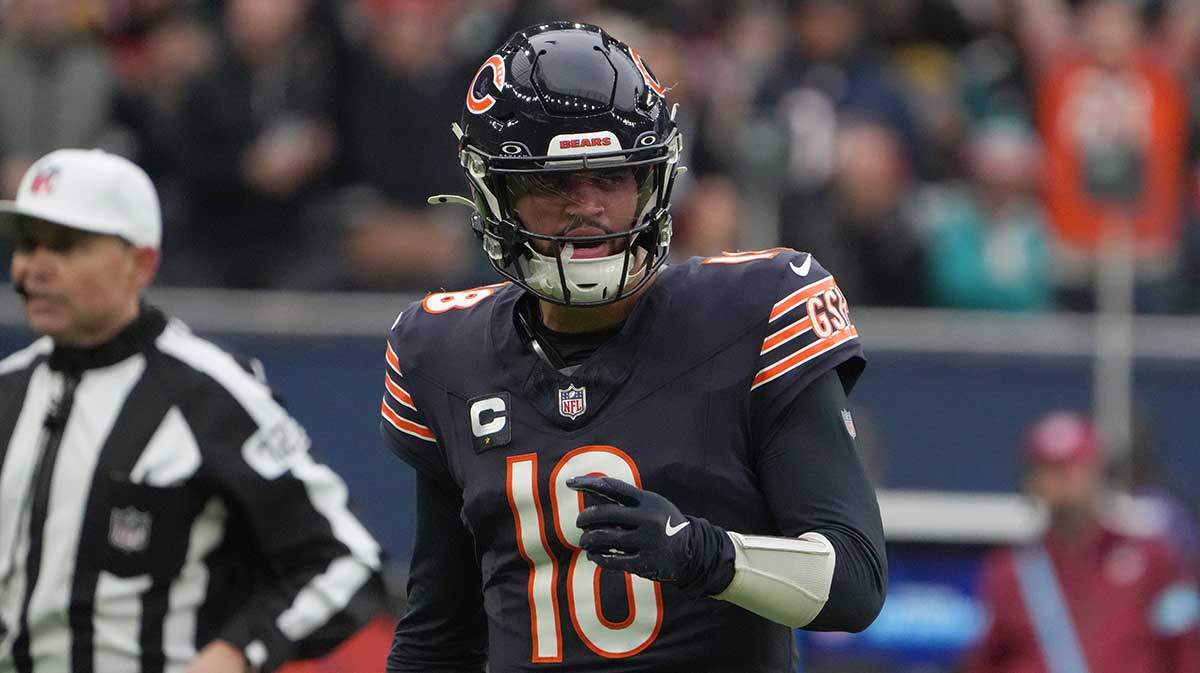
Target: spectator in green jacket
987	248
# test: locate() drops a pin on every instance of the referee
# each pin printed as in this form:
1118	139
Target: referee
159	511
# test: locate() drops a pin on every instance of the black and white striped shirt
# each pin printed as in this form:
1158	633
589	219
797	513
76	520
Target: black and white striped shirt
155	497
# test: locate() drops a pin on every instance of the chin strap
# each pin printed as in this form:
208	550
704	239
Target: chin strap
784	579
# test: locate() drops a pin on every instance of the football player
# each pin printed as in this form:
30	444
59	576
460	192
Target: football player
621	465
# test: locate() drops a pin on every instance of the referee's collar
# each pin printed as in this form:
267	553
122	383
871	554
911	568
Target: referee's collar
137	337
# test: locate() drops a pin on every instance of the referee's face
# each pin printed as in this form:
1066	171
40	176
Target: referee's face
78	287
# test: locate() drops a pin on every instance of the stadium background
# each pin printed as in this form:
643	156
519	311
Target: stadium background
905	142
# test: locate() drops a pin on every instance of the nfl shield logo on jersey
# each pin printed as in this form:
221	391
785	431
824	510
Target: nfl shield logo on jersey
572	401
849	422
129	529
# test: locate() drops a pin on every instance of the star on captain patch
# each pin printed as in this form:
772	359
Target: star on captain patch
848	420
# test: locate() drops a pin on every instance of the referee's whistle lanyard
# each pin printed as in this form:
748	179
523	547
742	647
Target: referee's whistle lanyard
37	497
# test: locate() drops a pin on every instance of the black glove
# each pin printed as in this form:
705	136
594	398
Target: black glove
641	532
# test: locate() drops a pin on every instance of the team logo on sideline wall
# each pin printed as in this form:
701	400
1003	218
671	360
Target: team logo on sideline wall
572	401
129	529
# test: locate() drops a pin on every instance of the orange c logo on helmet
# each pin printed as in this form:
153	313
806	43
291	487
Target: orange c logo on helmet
481	105
650	81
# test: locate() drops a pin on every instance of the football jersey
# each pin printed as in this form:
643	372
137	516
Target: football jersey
676	402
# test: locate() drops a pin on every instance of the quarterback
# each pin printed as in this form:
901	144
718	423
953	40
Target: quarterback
621	465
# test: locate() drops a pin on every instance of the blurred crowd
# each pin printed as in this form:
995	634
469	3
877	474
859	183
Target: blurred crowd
951	153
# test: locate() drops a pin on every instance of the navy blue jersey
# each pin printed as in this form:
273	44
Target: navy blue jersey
680	401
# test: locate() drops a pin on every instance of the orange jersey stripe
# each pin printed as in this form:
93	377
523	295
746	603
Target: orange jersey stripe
786	334
800	296
392	359
399	393
407	426
803	355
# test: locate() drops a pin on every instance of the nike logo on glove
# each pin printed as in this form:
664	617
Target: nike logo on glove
801	270
672	530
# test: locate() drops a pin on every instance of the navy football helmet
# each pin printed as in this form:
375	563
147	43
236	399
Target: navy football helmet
556	99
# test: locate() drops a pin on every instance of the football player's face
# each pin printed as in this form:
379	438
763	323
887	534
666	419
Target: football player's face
578	204
80	287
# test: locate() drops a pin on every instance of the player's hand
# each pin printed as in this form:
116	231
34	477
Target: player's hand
219	657
641	532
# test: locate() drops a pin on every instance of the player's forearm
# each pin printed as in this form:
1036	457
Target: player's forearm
815	483
784	579
443	628
820	581
431	636
858	587
817	489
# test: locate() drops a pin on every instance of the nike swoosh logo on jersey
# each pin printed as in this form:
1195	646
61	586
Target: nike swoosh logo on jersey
801	270
672	530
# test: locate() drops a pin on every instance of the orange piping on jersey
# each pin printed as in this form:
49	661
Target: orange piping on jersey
577	552
786	334
407	426
800	296
637	481
599	608
768	374
392	359
399	393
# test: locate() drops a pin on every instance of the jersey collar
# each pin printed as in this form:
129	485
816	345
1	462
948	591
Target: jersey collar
602	374
135	338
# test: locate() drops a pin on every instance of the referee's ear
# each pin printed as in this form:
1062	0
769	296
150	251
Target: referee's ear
145	266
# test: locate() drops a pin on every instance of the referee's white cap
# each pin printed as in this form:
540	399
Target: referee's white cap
90	190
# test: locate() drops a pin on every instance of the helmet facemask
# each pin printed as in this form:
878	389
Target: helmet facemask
562	267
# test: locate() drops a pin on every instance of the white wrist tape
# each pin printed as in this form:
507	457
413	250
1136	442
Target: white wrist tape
783	579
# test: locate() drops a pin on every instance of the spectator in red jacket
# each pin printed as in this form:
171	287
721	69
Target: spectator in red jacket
1111	106
1086	597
